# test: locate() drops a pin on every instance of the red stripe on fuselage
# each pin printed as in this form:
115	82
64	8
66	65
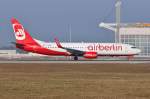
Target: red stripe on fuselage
118	55
44	51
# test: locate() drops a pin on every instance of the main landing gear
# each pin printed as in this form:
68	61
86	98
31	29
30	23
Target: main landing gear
130	58
75	58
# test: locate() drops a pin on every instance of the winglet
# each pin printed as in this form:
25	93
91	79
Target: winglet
58	43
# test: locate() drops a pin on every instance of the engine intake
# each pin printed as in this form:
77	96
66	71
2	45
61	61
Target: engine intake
90	55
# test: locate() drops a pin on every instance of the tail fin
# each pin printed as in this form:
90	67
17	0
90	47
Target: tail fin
22	36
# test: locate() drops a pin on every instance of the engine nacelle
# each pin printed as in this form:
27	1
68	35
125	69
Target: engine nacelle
90	55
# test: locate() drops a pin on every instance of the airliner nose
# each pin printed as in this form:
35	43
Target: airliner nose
138	51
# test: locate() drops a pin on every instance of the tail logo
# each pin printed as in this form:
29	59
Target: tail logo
20	34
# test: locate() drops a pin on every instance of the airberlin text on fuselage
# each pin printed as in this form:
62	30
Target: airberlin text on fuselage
99	47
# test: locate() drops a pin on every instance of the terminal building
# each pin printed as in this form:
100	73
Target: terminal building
137	34
10	52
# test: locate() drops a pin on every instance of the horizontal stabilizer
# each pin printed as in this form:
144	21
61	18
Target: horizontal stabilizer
17	44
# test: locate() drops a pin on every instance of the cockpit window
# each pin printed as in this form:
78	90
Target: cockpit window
133	47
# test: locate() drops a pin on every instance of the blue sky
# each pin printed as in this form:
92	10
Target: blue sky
46	19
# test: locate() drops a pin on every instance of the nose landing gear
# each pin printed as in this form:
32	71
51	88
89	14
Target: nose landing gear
130	58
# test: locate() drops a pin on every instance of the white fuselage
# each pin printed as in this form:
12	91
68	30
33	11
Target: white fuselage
102	49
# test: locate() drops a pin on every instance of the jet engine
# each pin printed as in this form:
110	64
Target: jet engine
90	55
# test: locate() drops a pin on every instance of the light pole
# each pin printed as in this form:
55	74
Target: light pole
70	37
118	20
70	34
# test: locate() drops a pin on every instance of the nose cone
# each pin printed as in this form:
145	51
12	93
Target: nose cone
138	51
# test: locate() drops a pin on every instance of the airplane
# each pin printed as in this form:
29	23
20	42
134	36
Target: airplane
24	41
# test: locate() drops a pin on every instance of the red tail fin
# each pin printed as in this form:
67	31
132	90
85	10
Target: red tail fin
22	36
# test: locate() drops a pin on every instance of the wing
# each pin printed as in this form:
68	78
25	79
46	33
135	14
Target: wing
73	52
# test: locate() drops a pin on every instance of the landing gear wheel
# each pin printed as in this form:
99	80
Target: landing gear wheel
75	58
130	58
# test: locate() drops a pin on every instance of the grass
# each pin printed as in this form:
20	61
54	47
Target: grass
74	81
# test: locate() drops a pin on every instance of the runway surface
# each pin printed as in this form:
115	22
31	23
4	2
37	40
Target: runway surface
79	62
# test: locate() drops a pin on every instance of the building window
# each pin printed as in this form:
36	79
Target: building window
140	41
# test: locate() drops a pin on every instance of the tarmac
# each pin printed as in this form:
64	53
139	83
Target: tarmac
79	62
